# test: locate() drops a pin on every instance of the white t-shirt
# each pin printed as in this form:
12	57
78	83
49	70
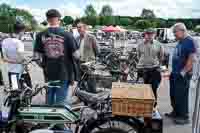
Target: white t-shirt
11	47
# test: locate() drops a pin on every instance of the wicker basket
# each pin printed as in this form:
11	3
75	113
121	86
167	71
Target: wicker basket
132	100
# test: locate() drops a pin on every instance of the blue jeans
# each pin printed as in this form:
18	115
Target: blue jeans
57	95
179	94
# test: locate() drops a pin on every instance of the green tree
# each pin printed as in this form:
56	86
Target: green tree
190	25
106	11
90	20
142	24
149	14
107	20
90	11
170	23
67	20
158	23
8	17
125	21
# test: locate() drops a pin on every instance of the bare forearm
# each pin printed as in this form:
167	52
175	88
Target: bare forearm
189	63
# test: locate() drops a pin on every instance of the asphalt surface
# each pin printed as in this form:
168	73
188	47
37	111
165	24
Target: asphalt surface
164	103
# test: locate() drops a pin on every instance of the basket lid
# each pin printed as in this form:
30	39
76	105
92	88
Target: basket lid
130	91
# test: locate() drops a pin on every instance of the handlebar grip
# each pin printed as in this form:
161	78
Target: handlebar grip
37	91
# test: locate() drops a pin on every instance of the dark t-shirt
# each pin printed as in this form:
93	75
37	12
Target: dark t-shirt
57	48
181	54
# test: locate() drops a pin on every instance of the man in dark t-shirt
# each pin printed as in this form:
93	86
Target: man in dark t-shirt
182	63
57	50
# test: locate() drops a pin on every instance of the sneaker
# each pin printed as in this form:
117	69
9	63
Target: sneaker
171	114
181	121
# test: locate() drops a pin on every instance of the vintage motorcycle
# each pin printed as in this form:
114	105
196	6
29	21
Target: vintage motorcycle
20	116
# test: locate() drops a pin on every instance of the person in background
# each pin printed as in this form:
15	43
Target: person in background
13	54
182	63
88	49
55	51
87	43
150	55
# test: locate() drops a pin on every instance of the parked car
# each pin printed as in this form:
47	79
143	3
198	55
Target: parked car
165	35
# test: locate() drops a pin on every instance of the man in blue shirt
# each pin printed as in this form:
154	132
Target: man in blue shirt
182	62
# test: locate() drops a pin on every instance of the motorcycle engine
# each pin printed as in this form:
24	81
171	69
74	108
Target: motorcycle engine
88	113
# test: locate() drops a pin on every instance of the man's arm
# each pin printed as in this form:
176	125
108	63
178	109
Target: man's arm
20	52
190	58
38	51
161	54
72	45
138	51
189	63
95	46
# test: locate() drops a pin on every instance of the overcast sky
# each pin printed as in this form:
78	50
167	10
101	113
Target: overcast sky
75	8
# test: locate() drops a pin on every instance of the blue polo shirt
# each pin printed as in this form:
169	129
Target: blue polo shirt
181	53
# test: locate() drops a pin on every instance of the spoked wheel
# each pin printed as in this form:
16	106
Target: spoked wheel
133	72
111	130
112	125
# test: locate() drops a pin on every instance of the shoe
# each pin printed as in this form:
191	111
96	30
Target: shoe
181	121
171	114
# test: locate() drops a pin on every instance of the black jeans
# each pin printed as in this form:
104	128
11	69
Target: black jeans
152	77
179	94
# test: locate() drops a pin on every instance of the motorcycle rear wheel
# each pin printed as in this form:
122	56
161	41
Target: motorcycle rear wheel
112	123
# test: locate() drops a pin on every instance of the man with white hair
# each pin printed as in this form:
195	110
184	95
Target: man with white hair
182	62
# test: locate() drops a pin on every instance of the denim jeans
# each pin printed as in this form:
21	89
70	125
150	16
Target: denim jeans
179	94
56	95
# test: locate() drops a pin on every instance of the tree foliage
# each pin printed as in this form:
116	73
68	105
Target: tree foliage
67	20
148	14
143	24
125	21
9	15
90	20
106	11
90	11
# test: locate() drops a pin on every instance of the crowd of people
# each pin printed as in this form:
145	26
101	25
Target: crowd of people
59	54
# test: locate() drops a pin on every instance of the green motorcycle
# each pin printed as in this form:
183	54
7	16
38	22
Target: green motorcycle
91	117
